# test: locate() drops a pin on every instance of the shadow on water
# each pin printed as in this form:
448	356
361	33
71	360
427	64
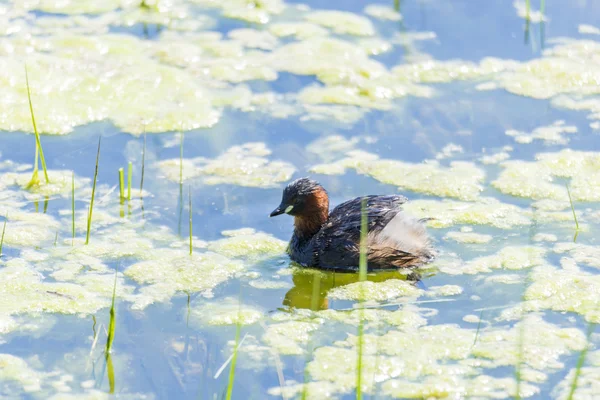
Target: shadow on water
311	286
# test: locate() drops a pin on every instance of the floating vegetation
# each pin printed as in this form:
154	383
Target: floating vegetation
244	165
379	114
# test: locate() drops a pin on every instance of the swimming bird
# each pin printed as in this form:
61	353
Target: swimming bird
331	240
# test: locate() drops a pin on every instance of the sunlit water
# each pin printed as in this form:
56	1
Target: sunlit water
168	348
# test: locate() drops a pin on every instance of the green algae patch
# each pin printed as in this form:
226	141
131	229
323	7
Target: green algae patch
300	30
568	68
227	311
60	183
22	290
509	258
550	134
255	11
244	165
342	22
382	12
460	180
290	337
79	6
535	180
118	81
584	254
566	289
377	291
445	290
249	244
486	211
468	237
174	271
26	229
17	370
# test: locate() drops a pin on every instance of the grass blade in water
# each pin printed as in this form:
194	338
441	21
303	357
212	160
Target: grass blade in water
38	142
89	221
362	262
3	231
121	185
111	322
143	166
580	361
238	329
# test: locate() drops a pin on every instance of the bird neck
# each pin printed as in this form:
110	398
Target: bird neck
314	215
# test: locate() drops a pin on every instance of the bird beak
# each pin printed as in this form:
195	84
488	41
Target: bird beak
277	211
281	210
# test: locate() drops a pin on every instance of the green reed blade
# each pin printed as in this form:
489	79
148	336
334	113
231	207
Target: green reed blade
129	176
38	142
580	361
89	220
121	185
238	329
55	238
112	321
3	231
72	207
572	207
359	365
191	222
527	9
35	179
110	372
362	261
143	166
478	328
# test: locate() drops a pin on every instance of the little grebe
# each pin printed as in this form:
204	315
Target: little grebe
332	240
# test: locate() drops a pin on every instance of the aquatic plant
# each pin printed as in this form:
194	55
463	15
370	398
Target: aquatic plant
238	329
581	360
574	214
38	142
362	277
112	321
89	219
143	166
121	186
3	231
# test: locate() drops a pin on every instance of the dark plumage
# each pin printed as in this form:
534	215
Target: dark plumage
332	240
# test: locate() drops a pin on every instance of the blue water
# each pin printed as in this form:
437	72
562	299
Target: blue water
144	358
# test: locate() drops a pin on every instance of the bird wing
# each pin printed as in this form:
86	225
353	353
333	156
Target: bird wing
338	240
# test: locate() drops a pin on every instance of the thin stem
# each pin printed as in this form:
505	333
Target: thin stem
37	135
3	231
89	221
362	262
121	185
143	166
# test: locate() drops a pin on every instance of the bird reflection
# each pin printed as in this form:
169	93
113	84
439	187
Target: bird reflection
312	285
